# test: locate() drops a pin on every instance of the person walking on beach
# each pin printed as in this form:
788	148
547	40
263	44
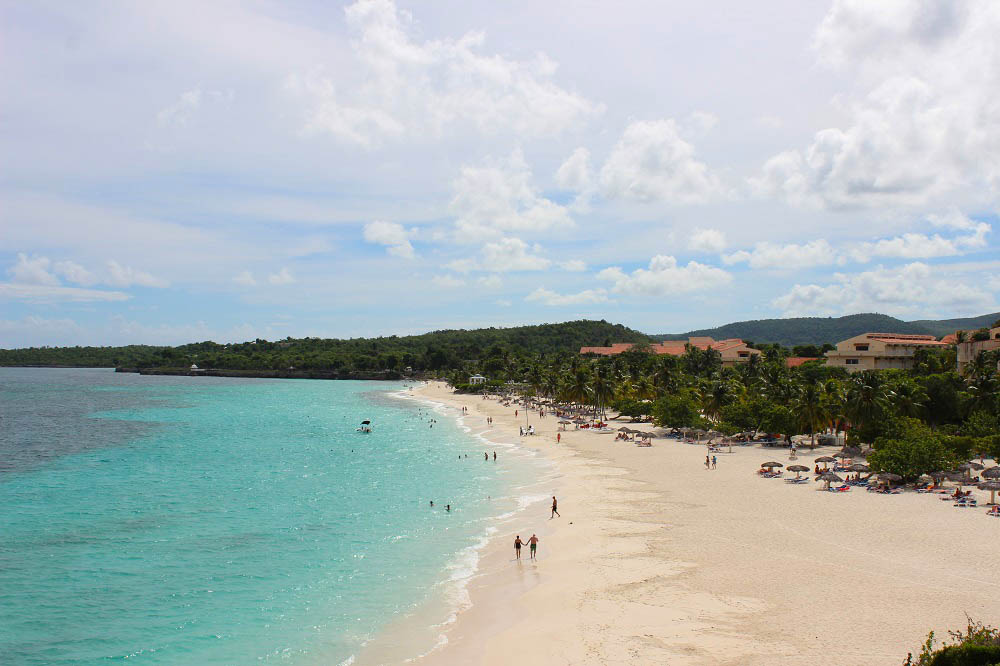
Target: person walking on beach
555	508
517	546
532	545
707	462
558	437
713	462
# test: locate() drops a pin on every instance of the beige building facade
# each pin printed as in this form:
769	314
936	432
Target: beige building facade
972	348
733	351
880	351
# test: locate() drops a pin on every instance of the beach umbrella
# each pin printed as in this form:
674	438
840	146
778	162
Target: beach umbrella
969	466
564	422
771	464
991	473
993	487
825	460
798	469
623	429
938	476
858	467
579	421
888	477
829	477
842	455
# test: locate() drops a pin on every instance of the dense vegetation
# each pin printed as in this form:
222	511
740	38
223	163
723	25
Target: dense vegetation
436	351
818	330
978	645
919	421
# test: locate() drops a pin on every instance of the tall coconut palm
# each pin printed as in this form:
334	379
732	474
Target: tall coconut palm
602	389
908	398
811	409
866	398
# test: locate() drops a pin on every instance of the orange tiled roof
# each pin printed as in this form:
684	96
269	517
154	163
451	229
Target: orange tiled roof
905	339
950	339
796	361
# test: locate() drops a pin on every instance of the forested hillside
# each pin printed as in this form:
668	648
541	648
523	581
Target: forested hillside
817	330
430	351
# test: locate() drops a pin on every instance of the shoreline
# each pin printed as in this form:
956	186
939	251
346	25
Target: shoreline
402	639
658	560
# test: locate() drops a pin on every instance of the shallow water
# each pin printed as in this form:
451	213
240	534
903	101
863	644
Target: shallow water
174	520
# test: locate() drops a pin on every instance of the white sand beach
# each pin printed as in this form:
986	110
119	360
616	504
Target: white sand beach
658	560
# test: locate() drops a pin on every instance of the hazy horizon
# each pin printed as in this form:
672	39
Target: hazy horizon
182	172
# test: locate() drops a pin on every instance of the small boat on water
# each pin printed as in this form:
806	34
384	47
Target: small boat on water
365	427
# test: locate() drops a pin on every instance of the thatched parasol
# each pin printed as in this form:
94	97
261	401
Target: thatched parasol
991	473
993	487
825	460
798	469
771	464
829	478
888	477
859	467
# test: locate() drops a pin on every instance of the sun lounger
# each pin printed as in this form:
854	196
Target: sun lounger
993	511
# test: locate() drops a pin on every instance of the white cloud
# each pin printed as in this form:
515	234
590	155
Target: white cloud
36	331
651	162
418	90
490	282
392	235
448	281
910	289
181	111
785	257
925	130
921	246
575	173
492	199
125	276
665	277
586	297
503	256
282	277
707	240
573	265
953	219
245	279
75	273
32	270
49	294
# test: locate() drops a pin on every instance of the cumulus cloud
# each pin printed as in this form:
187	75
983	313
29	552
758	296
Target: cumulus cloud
125	276
489	200
573	265
784	257
417	89
913	288
925	128
575	173
490	282
651	162
280	278
75	273
448	281
922	246
180	112
504	256
393	236
707	240
664	276
32	270
585	297
245	279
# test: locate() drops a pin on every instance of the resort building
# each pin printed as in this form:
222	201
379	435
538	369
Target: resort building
972	348
733	351
880	351
477	379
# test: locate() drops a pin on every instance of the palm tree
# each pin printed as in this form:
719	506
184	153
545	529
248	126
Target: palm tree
866	398
908	398
811	410
716	396
602	387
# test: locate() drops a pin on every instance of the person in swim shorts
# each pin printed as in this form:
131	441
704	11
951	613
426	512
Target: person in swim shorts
533	544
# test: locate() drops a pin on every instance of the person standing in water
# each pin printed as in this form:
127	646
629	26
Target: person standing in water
486	456
517	546
555	508
494	456
532	545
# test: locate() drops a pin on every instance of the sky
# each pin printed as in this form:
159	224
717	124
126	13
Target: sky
180	171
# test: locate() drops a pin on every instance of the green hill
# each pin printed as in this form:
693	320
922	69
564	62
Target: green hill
818	330
429	351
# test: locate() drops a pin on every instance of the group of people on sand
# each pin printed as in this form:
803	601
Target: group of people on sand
533	541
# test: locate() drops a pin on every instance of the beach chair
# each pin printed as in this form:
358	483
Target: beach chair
993	512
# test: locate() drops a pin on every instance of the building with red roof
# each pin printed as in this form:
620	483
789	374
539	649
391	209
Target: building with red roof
733	350
880	351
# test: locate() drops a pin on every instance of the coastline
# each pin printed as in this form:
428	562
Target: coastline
658	560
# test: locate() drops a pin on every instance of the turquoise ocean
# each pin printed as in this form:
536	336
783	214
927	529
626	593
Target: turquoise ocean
197	520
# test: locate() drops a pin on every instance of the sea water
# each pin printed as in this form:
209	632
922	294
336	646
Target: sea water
199	520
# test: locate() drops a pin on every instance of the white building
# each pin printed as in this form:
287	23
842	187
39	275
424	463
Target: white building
477	379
